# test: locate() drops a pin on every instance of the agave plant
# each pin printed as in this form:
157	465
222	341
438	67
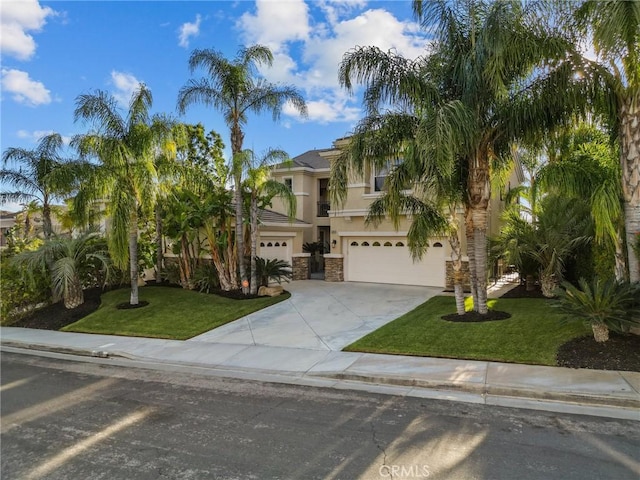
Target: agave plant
272	269
71	261
603	304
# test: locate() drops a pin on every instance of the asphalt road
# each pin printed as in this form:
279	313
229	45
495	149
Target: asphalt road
75	420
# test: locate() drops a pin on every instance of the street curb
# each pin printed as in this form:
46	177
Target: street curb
495	390
573	401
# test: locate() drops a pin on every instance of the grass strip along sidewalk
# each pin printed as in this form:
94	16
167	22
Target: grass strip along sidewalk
172	313
532	335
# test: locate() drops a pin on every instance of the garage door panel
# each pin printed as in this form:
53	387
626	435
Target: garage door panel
388	260
279	248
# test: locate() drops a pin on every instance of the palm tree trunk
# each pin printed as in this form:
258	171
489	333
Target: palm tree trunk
548	284
254	245
133	255
479	194
600	332
473	281
73	295
458	275
47	227
159	251
240	237
630	164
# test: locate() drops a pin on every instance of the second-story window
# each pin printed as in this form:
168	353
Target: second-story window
288	183
381	173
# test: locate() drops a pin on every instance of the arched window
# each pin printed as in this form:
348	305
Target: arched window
437	244
262	244
269	244
388	244
376	244
399	244
365	244
354	244
277	244
284	244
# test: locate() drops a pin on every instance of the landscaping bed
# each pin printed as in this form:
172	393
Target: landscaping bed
172	313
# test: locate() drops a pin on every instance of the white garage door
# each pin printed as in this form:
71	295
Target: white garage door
275	247
388	260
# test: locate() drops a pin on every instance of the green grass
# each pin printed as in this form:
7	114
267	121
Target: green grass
532	335
172	313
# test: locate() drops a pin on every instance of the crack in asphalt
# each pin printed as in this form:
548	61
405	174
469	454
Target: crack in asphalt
384	452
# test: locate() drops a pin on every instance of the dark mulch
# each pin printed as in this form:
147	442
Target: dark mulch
474	317
521	292
55	316
620	352
128	306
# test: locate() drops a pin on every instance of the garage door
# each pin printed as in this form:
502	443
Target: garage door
388	260
275	248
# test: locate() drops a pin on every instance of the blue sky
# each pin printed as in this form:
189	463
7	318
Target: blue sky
54	51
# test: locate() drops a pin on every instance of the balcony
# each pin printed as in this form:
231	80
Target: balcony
323	208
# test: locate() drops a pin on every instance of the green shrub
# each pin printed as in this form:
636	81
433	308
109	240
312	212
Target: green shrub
205	277
19	294
272	270
603	304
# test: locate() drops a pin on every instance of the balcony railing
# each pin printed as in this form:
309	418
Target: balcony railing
323	208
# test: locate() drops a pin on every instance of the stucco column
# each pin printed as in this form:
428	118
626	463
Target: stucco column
301	266
333	267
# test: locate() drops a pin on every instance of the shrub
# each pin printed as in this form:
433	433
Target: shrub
603	304
272	270
205	277
20	294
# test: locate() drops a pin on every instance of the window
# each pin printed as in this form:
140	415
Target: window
365	244
262	244
381	173
354	244
376	244
388	244
277	244
288	182
399	244
437	245
269	244
284	244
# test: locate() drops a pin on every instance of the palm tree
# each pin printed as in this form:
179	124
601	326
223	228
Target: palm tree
234	89
125	176
262	189
613	86
41	173
481	82
70	260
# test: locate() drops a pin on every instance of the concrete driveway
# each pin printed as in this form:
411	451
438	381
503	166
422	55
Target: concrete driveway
322	315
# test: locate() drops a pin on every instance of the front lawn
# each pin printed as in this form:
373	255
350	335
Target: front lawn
172	313
532	335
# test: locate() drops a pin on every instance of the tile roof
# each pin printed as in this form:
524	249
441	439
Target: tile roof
269	216
310	159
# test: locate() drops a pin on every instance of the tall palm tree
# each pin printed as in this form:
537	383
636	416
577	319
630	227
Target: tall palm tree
125	176
479	76
234	89
614	88
38	175
261	189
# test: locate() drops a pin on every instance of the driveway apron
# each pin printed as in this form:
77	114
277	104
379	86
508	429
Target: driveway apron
322	315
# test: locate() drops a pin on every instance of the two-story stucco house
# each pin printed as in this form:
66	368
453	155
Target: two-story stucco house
358	252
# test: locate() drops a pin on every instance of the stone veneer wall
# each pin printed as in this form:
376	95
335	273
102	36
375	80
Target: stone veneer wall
465	271
301	266
334	268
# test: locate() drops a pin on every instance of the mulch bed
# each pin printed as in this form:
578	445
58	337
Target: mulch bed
620	352
521	292
475	317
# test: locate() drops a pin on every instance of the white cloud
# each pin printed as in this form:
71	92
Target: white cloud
188	30
24	89
126	84
18	18
276	22
308	51
36	135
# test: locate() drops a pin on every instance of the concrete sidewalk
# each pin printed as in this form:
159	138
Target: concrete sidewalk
590	392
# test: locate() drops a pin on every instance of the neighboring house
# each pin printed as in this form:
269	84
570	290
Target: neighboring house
358	253
7	222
